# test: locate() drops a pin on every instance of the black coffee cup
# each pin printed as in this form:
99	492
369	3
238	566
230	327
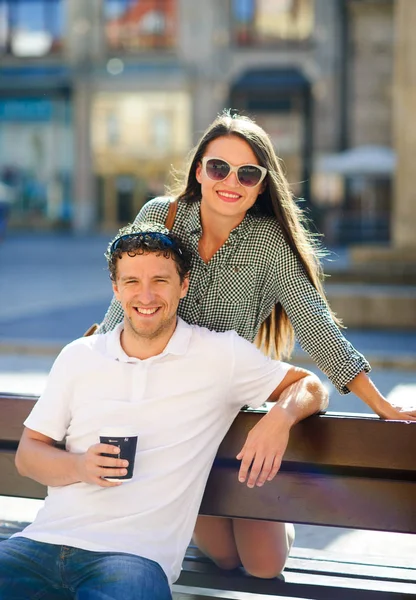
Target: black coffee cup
126	441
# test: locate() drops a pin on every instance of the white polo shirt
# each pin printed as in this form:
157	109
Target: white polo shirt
181	403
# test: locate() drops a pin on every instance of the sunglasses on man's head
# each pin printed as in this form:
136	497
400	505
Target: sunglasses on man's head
151	238
218	169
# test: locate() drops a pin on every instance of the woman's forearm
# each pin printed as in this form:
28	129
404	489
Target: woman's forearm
364	388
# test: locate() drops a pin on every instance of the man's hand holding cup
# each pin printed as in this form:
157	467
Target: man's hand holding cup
111	461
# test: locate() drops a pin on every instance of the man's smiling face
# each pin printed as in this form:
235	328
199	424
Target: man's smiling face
149	288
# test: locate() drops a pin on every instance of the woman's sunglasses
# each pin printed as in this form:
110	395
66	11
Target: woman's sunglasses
218	169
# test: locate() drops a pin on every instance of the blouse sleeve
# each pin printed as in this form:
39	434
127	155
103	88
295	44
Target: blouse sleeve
155	210
314	327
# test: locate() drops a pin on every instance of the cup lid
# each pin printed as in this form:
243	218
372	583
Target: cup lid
118	431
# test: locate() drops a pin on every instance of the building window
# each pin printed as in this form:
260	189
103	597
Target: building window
139	143
267	22
31	28
135	25
36	158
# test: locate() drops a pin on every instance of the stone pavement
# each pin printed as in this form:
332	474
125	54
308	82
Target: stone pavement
53	286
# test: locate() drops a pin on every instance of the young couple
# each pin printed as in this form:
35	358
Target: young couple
247	265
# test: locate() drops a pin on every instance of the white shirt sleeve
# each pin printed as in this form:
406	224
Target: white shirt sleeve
254	376
51	413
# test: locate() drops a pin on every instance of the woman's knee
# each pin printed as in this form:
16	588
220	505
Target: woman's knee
267	554
215	538
266	568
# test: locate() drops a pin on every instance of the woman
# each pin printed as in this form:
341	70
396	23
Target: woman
256	270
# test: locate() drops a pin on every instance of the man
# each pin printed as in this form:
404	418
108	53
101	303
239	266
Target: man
179	387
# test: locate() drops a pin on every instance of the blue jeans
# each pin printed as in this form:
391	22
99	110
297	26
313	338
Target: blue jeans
32	570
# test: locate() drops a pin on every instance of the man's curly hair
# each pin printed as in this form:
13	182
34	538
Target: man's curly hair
148	237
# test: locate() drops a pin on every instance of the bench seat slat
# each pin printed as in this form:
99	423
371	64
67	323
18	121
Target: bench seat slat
400	562
361	571
299	584
337	569
311	562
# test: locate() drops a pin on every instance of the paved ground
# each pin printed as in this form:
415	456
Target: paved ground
54	286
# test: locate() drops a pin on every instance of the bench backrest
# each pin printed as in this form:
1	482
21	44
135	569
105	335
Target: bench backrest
344	470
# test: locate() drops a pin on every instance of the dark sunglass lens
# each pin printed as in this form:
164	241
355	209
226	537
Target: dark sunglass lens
217	169
163	239
249	175
148	237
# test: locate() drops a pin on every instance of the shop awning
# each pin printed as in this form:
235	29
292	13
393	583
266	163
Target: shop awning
21	79
271	79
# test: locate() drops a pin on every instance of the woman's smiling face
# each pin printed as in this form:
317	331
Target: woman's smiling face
228	198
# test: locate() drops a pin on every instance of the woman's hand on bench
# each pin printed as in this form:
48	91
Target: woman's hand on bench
364	388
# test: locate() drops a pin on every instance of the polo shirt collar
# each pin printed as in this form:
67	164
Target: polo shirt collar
179	342
177	345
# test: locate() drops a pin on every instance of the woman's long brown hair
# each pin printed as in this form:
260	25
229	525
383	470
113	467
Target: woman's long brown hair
276	335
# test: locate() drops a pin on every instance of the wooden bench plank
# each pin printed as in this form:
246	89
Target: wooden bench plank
331	439
340	491
354	570
334	439
13	484
401	562
310	576
312	561
13	411
299	584
344	501
336	471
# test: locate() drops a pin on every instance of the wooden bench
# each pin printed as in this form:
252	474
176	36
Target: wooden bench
346	471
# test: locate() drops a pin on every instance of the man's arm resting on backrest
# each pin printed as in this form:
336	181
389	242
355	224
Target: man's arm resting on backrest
38	457
299	395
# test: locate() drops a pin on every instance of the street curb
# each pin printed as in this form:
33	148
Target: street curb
402	362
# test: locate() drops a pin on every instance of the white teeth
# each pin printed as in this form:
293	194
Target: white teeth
227	195
146	311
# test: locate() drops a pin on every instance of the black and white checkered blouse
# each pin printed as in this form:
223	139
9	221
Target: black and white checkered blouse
239	286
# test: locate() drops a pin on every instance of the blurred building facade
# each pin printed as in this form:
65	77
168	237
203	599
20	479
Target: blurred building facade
100	99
